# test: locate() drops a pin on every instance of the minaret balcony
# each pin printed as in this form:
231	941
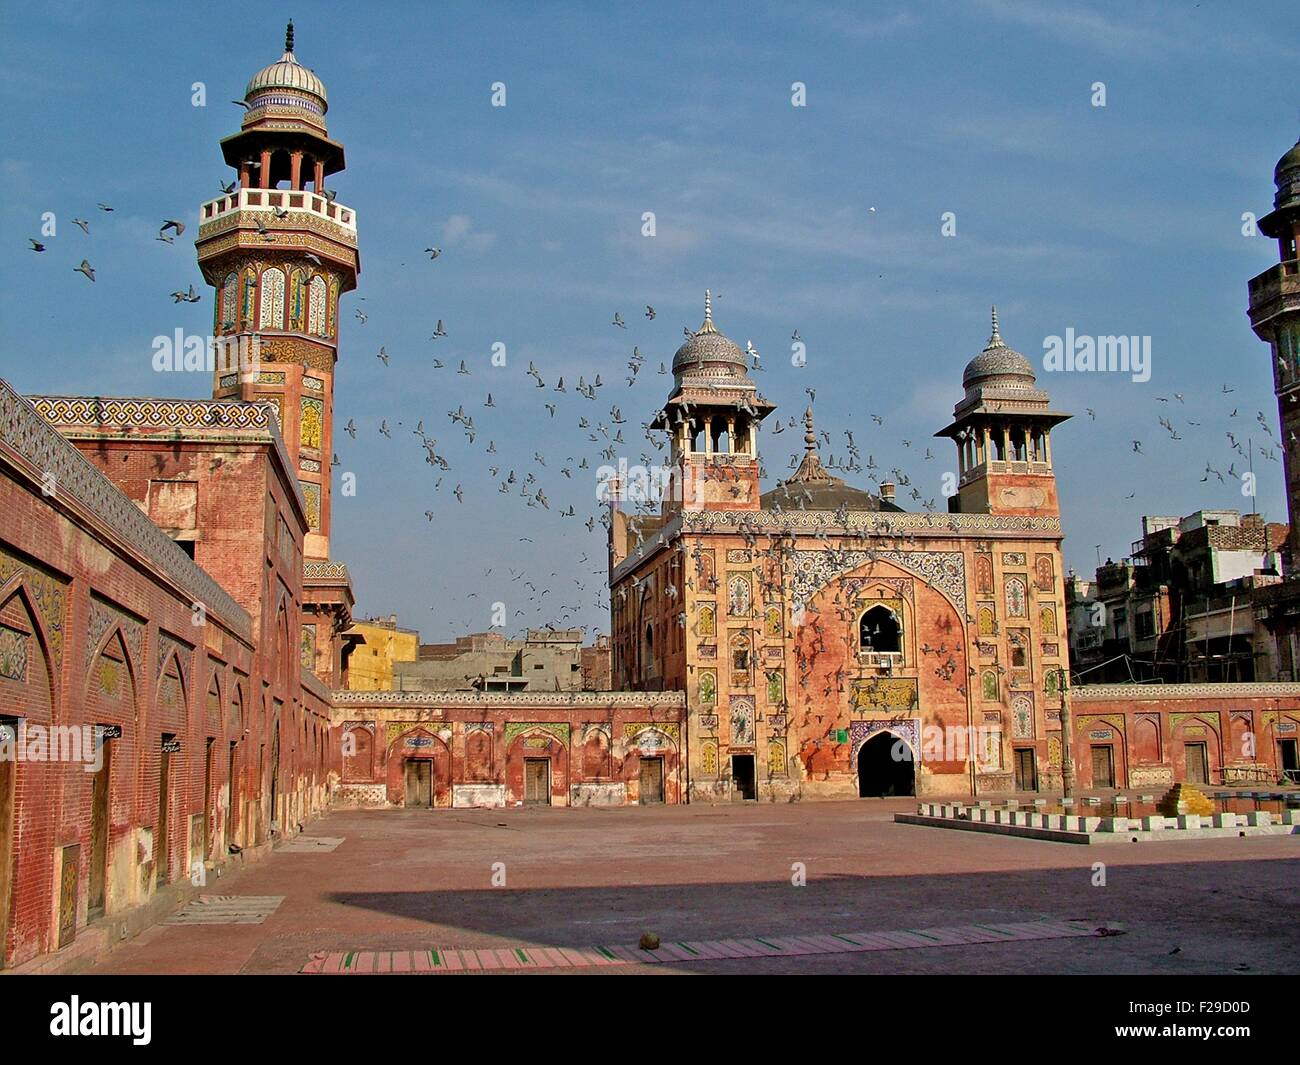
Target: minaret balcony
223	212
1275	291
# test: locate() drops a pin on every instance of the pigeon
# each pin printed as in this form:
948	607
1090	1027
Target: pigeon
83	224
351	429
618	321
103	207
86	268
438	331
649	312
36	245
382	355
172	224
433	252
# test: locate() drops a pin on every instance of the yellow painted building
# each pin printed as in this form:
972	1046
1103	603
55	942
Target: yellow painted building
374	646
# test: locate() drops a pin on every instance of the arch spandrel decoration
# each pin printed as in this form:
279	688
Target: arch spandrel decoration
942	570
906	729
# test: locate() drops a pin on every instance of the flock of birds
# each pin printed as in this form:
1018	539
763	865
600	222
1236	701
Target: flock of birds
590	429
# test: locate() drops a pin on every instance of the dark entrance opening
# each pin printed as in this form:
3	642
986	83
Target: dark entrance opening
1026	769
742	775
1290	759
1198	765
885	767
1103	766
99	826
162	832
8	773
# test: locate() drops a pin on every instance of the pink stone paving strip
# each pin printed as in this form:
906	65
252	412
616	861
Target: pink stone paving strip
522	958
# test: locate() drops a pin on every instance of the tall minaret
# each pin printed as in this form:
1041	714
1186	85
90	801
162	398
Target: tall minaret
279	250
1002	428
1275	317
713	416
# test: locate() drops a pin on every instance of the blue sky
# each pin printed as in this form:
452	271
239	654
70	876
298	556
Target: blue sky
1117	220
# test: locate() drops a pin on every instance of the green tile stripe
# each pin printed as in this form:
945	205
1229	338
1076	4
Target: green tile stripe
436	958
770	946
914	932
608	953
997	930
688	948
519	953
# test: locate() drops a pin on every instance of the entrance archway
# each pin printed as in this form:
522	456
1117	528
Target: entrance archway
885	767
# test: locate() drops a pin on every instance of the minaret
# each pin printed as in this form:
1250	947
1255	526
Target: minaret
1002	428
1275	317
713	416
279	249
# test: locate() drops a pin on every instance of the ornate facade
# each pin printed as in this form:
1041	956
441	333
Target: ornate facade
279	250
831	644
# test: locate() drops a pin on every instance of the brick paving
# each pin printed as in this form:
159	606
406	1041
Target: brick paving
405	883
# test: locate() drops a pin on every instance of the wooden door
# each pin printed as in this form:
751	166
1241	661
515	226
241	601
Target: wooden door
419	782
652	781
1198	767
537	781
1103	767
1026	770
8	767
207	801
233	806
162	831
99	828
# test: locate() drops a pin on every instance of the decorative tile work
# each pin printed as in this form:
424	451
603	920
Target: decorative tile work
313	421
24	428
271	299
316	300
1022	717
1044	578
102	617
1013	558
708	688
739	595
984	574
944	570
742	721
314	383
1017	597
396	729
311	494
706	620
709	759
908	729
671	729
308	646
13	654
320	569
776	759
48	594
271	377
308	465
773	627
738	555
558	729
986	620
108	678
885	694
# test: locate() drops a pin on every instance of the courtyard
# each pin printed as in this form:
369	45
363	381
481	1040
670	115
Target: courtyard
432	880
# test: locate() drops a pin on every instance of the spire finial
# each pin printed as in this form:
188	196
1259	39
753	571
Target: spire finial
996	337
809	433
288	38
708	305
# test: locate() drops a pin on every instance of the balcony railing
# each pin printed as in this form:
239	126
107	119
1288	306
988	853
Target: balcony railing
295	202
886	661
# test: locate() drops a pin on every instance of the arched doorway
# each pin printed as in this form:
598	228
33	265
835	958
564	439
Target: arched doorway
885	767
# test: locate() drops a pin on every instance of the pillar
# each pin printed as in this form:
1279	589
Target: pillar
264	178
295	171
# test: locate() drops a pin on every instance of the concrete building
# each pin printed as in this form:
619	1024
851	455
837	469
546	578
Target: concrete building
545	660
1181	607
371	649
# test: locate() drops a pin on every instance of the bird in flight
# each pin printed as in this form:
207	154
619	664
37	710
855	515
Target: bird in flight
86	268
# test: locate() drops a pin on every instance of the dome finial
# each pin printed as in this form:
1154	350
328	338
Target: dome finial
288	38
996	337
707	326
809	433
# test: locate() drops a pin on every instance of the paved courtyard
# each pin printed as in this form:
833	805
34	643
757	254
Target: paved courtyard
421	881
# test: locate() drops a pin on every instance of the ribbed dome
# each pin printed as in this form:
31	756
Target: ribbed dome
287	73
998	364
1290	161
707	347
